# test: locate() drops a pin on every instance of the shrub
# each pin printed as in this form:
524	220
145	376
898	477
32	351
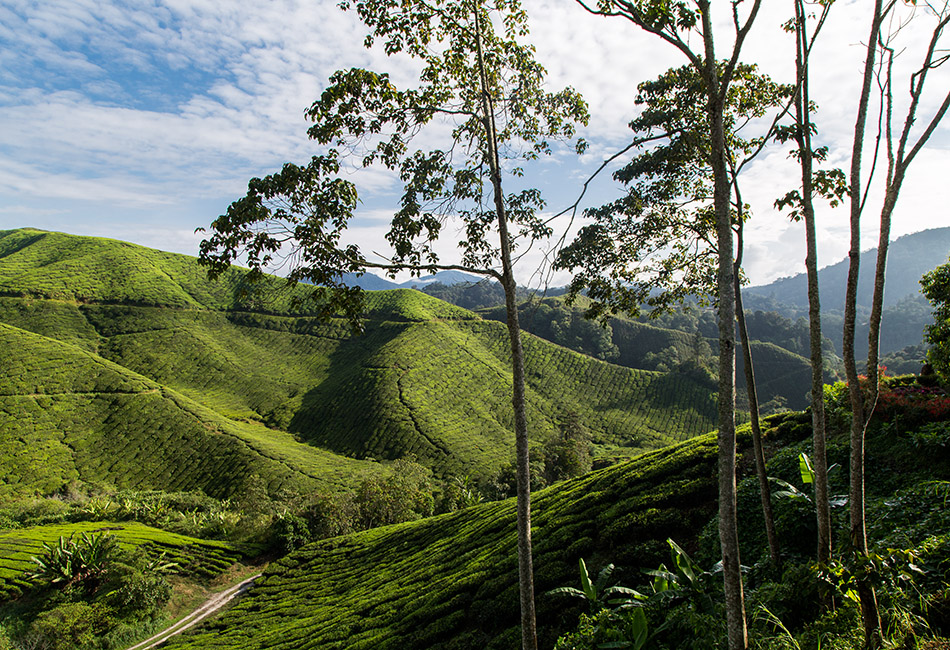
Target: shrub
72	625
289	532
142	593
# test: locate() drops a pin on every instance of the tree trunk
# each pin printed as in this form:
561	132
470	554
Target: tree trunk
765	491
726	302
858	533
818	420
529	633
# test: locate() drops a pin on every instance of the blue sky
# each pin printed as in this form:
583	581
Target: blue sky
142	120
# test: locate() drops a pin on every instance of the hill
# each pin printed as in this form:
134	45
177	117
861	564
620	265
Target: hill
68	415
427	378
372	282
451	581
908	258
678	343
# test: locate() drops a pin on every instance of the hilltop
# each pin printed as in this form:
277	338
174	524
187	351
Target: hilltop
426	378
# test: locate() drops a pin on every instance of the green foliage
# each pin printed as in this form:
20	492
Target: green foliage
653	247
190	556
154	393
451	581
607	628
568	453
404	495
72	625
82	561
936	287
597	594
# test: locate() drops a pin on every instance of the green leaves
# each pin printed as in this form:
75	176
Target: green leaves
597	594
655	245
70	561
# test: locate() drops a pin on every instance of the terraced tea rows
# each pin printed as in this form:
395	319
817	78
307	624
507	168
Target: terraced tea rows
67	414
451	581
281	394
197	557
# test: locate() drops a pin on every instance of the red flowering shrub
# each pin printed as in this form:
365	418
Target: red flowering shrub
912	401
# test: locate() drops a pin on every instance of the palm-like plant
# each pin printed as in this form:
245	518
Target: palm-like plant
70	561
597	594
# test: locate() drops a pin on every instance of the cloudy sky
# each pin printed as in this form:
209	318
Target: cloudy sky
143	120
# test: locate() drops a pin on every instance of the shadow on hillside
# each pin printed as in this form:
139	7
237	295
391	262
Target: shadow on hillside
341	412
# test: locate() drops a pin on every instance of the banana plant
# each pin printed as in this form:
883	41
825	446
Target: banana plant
808	478
597	594
687	580
70	561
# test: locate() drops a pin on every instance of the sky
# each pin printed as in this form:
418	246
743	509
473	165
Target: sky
143	120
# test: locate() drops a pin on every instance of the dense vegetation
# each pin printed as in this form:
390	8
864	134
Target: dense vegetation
450	581
184	422
288	386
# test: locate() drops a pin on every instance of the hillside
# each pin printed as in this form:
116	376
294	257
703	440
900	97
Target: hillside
68	415
427	378
676	344
451	581
908	258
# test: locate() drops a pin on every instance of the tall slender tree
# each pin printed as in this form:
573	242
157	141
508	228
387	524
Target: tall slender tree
899	154
653	246
675	23
476	80
831	185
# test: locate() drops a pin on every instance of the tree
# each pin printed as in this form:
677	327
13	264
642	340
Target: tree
936	285
676	23
899	155
484	85
831	185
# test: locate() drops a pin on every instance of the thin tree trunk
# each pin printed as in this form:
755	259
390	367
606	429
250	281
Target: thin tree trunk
728	528
529	634
819	426
765	492
858	533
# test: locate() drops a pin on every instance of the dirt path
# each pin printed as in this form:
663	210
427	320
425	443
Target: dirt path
210	606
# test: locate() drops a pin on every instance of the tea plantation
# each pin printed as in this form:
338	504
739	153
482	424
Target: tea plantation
451	581
191	556
298	399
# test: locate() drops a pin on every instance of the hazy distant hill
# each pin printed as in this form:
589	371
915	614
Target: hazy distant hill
372	282
908	258
427	378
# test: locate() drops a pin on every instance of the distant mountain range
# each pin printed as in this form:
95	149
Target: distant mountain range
908	258
371	282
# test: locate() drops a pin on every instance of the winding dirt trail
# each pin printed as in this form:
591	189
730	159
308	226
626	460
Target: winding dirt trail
210	606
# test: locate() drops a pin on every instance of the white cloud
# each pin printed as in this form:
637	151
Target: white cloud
140	107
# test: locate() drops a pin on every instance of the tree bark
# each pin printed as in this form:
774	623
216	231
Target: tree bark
858	529
819	425
728	528
765	491
529	633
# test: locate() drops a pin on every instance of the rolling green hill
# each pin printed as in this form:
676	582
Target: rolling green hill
66	414
451	581
297	399
780	372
